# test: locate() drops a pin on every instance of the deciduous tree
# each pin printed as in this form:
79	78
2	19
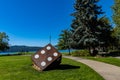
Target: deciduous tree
3	41
116	19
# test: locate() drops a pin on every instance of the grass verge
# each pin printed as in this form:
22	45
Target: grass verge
109	60
20	68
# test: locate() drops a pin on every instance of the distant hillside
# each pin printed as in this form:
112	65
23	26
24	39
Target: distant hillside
22	49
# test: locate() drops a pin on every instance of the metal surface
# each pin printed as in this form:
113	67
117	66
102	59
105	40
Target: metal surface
46	58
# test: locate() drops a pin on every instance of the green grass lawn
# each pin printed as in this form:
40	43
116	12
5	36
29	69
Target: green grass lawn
20	68
109	60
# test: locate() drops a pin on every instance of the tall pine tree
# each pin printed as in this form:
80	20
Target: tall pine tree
87	28
84	26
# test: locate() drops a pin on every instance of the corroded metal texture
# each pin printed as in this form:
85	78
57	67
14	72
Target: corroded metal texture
46	58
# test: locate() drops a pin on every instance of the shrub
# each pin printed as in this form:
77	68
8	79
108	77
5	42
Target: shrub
111	53
114	53
80	53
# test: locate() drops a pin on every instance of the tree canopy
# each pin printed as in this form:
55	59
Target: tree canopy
88	29
64	40
116	13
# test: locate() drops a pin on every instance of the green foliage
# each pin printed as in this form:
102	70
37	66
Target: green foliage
116	32
110	53
80	53
64	40
114	53
89	30
116	36
105	32
116	19
20	68
84	26
116	12
3	41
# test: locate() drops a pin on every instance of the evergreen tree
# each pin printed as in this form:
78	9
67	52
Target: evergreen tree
3	41
105	32
84	26
89	30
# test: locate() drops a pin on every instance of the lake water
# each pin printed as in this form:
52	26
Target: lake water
6	53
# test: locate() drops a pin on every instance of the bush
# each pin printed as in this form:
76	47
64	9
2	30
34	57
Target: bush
80	53
114	53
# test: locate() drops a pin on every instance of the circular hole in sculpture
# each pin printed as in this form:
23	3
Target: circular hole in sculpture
49	58
36	56
43	52
55	54
48	47
43	63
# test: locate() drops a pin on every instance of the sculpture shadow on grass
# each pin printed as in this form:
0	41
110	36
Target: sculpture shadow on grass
63	67
66	66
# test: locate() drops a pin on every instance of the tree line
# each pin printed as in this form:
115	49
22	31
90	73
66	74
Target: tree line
89	30
22	49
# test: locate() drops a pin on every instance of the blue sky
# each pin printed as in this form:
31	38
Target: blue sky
31	22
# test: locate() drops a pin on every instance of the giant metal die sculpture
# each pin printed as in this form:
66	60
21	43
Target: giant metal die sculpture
46	58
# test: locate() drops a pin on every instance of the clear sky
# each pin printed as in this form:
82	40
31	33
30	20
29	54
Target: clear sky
31	22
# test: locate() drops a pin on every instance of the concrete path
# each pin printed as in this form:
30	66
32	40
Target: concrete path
118	57
107	71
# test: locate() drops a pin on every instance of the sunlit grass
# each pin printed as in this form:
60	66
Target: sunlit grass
20	68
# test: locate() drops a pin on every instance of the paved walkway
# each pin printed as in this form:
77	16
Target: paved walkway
107	71
118	57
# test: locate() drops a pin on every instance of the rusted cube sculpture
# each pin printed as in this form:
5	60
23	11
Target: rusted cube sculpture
46	58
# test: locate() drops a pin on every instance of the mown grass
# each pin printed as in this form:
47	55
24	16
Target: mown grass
109	60
20	68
